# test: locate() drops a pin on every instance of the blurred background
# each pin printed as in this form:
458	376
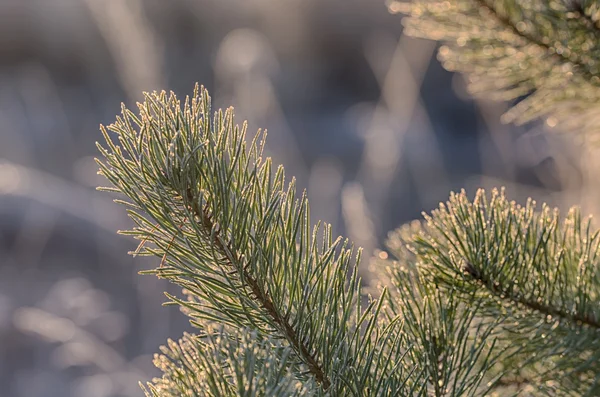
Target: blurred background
364	117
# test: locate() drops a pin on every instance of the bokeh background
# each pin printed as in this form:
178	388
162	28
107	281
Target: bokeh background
364	117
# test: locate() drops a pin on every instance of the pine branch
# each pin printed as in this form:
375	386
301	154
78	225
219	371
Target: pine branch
313	366
549	268
539	41
220	363
505	292
240	244
536	276
544	54
457	351
485	291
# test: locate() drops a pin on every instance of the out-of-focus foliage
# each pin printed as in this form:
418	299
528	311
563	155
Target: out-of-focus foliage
544	53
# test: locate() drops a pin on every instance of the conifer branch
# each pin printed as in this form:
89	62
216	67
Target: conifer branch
505	292
484	294
545	55
456	350
559	56
457	320
240	244
220	362
225	249
533	278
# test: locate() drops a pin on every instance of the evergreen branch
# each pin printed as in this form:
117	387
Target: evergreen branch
508	23
240	244
313	366
544	54
538	275
219	363
550	268
455	348
504	292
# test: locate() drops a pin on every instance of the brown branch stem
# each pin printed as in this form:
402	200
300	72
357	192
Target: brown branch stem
261	296
498	289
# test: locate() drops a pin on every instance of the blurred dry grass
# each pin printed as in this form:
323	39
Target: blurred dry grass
363	116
